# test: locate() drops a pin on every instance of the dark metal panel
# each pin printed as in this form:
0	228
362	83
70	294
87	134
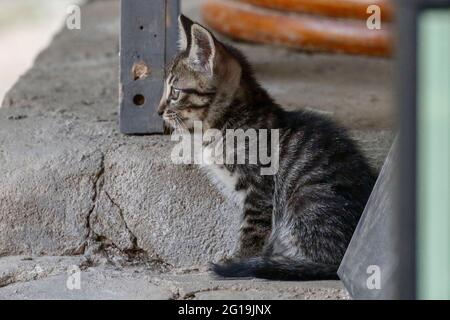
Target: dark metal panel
371	249
405	219
142	60
405	223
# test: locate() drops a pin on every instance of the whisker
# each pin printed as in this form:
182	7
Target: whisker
183	127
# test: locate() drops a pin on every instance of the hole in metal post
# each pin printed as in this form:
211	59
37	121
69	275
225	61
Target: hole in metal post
141	27
140	70
139	100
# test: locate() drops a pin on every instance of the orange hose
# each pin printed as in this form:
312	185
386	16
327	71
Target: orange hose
333	8
247	22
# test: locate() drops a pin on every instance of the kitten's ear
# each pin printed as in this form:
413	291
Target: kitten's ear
184	32
202	49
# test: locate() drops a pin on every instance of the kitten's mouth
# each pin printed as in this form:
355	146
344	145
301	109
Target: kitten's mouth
174	120
170	122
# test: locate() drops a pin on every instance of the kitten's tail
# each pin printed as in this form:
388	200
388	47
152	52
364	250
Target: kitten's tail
276	268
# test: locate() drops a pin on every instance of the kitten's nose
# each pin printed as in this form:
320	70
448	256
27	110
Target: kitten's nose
161	109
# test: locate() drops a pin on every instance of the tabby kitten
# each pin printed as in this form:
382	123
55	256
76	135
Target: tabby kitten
296	224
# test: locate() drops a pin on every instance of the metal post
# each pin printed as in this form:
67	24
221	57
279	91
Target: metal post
408	241
433	146
147	41
405	220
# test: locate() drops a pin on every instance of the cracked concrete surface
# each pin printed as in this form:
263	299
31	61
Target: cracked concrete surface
25	268
47	278
73	185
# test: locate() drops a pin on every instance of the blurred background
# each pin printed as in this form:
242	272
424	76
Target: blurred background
26	28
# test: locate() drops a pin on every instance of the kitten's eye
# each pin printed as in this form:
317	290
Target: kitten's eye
174	94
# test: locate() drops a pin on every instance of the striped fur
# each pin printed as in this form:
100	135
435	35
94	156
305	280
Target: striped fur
296	224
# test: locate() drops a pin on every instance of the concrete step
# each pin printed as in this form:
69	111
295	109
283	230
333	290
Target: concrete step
63	278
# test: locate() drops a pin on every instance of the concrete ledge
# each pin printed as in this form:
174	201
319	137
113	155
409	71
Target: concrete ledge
73	185
68	181
25	277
